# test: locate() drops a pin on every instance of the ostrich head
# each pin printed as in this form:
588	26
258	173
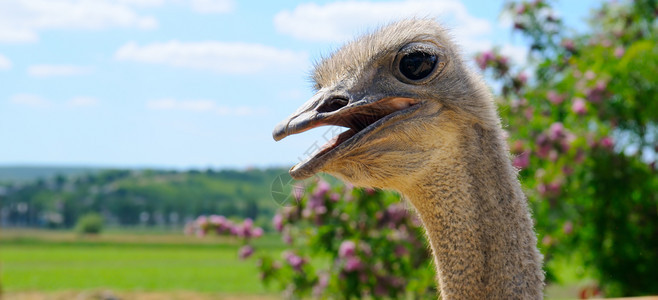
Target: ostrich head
400	92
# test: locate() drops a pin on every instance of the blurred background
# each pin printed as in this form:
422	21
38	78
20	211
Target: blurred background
138	162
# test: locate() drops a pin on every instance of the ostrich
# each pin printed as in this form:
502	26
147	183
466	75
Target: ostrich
421	123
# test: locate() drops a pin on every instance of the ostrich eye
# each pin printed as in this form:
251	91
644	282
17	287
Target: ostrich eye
417	65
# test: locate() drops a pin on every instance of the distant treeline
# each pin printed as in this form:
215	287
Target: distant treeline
138	197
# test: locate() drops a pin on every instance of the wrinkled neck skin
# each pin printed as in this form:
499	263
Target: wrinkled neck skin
477	220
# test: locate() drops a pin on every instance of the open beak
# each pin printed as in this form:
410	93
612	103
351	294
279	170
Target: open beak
359	116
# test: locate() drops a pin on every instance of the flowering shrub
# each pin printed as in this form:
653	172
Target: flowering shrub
583	133
220	225
342	242
346	242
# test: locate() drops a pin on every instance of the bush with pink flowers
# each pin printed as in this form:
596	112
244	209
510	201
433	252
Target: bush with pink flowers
346	242
220	225
583	132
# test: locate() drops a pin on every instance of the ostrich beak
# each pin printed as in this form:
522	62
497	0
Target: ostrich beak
306	117
326	109
360	117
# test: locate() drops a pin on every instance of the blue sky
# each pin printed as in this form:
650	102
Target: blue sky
189	83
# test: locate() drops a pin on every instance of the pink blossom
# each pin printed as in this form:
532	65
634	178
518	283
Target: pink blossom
543	144
246	229
554	97
595	94
334	197
607	142
528	113
547	240
287	237
522	161
365	248
294	260
248	223
543	150
521	9
322	188
257	232
320	210
381	288
245	251
217	220
554	187
556	131
395	214
352	263
578	106
297	192
488	55
237	231
277	221
522	77
568	44
482	64
484	58
589	75
568	227
400	251
540	173
567	141
321	285
201	221
515	103
553	155
619	52
346	249
567	170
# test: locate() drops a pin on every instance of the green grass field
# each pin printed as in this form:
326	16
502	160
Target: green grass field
53	261
143	264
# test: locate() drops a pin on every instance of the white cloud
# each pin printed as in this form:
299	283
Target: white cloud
36	101
142	2
21	20
518	54
202	105
234	58
201	6
340	21
5	63
56	70
82	102
212	6
30	100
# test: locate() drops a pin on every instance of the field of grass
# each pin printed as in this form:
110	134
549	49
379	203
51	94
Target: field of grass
57	261
145	264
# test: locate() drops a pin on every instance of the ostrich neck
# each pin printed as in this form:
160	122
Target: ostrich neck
477	221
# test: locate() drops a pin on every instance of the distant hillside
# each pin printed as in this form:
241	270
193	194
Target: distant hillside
136	197
29	173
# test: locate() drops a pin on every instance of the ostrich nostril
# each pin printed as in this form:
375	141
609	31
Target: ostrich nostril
333	104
